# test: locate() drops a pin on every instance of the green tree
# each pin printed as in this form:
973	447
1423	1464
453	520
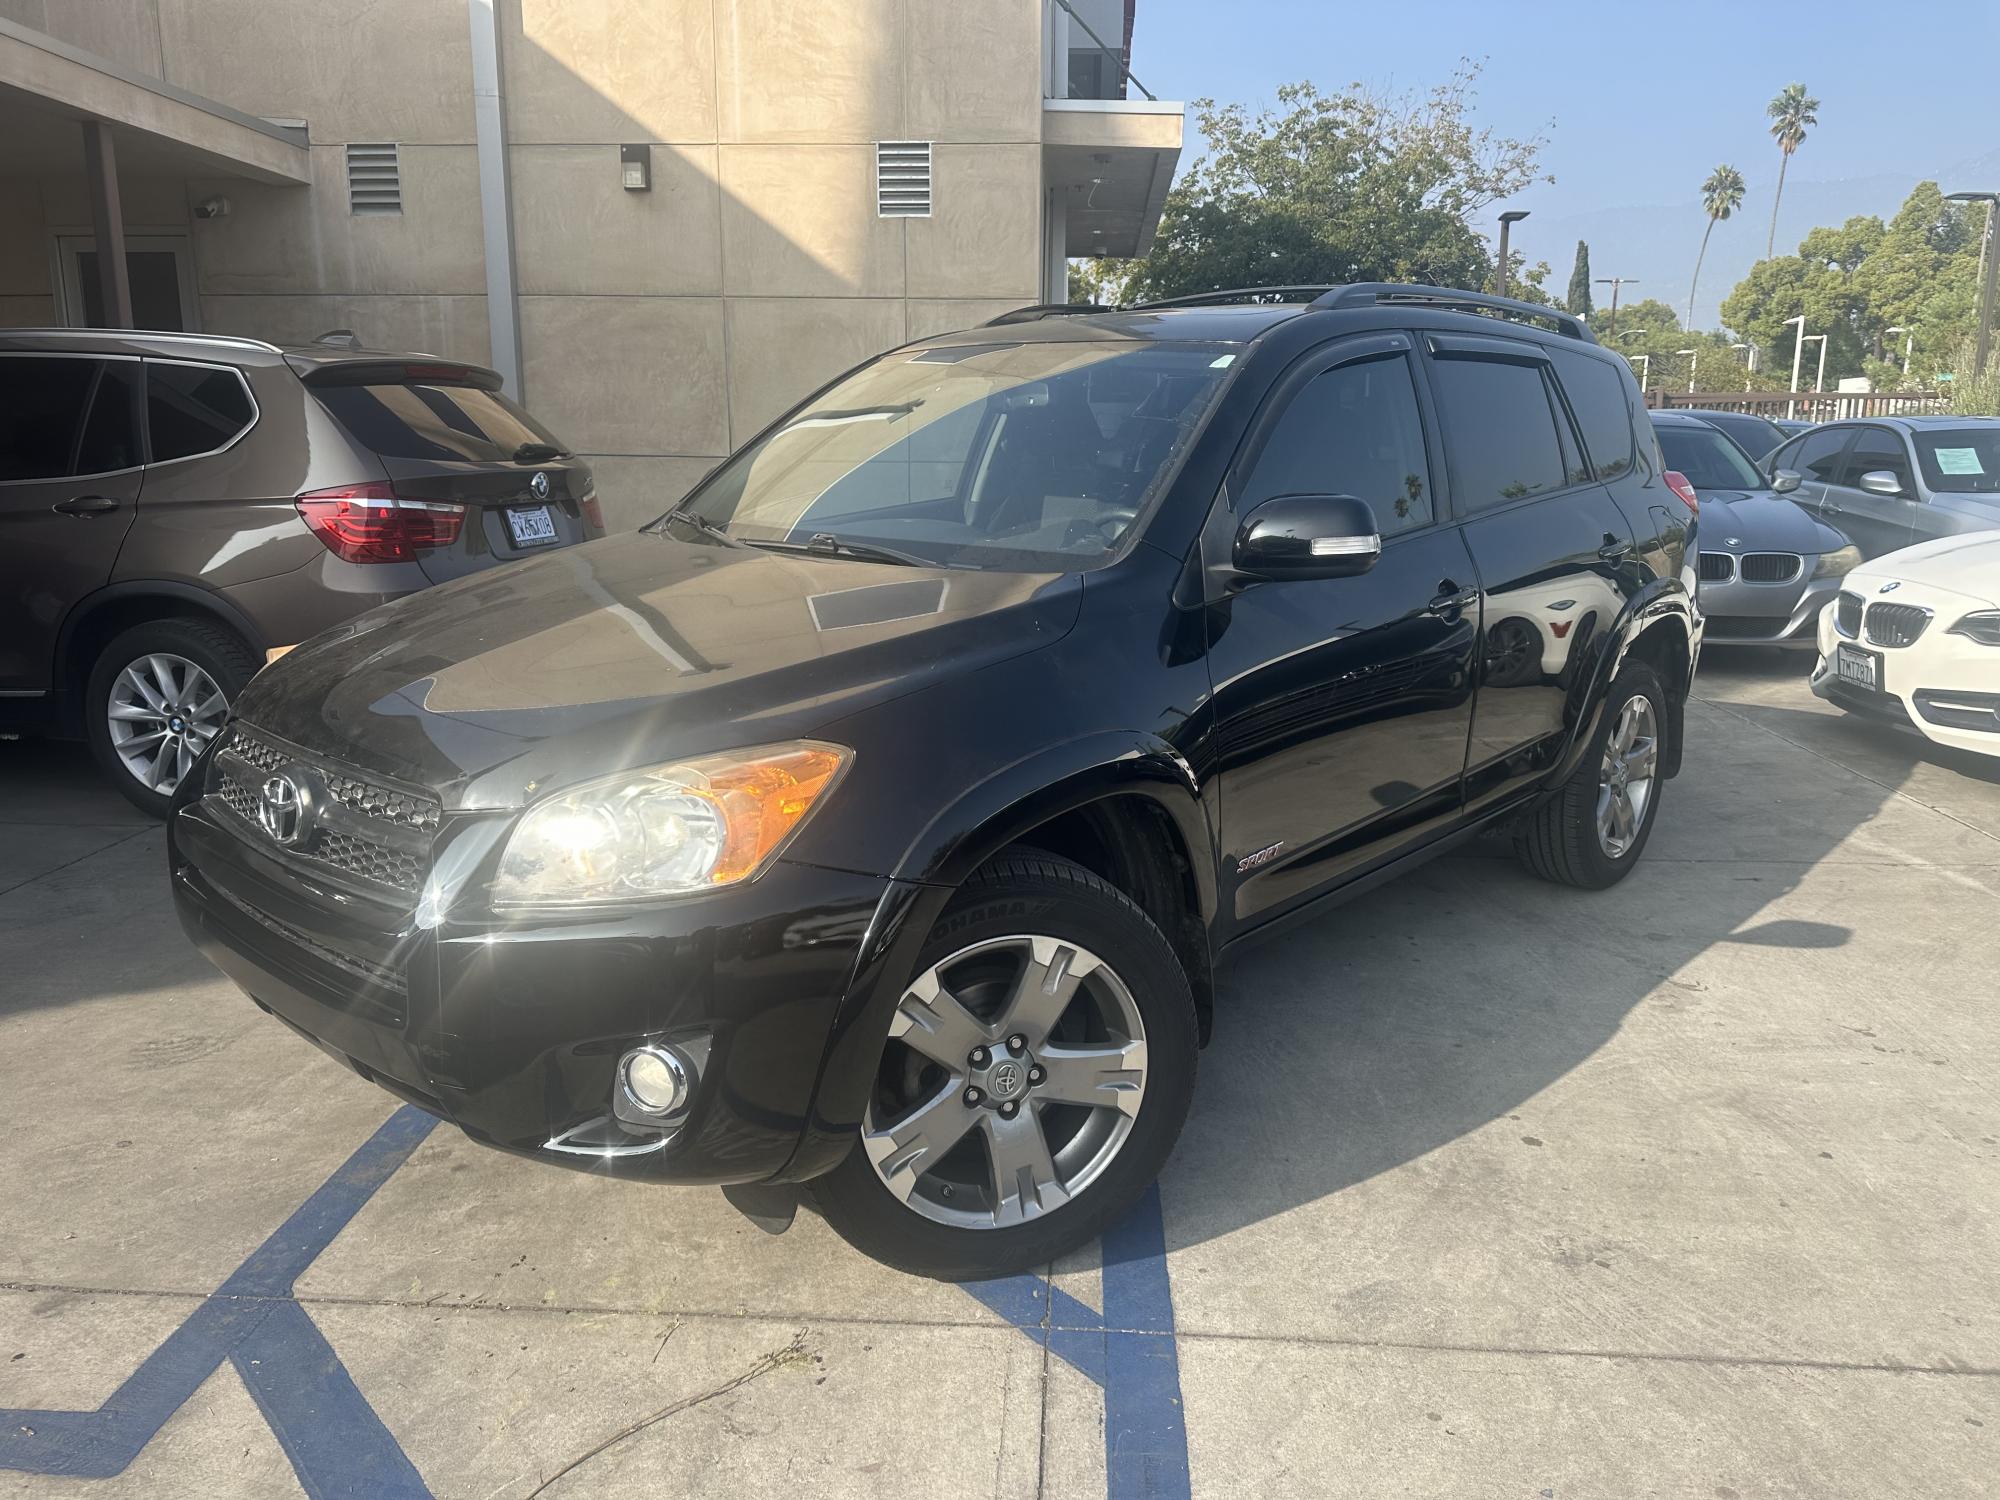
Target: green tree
1350	186
1790	112
1578	300
1721	195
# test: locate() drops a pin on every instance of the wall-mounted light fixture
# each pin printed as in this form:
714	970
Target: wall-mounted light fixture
635	166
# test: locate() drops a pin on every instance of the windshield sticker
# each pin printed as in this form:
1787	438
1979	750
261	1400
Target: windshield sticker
1222	362
1958	461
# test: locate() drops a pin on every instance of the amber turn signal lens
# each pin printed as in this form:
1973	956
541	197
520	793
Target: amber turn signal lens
763	800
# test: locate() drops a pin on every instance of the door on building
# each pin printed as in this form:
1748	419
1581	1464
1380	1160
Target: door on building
161	270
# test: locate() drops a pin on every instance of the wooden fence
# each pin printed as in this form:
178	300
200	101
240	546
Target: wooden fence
1807	406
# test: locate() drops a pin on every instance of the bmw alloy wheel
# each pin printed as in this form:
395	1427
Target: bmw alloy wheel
162	710
1017	1067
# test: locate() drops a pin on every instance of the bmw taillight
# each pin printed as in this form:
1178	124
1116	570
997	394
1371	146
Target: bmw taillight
371	523
1678	483
593	511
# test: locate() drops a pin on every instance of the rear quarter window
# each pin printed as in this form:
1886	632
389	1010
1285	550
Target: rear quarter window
444	423
1596	393
193	409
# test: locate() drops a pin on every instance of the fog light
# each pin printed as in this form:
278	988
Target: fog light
656	1081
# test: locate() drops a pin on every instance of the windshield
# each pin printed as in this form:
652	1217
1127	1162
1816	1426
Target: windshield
1710	460
1030	456
1960	460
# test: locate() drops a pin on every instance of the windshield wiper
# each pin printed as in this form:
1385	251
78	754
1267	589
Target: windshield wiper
538	453
700	523
825	544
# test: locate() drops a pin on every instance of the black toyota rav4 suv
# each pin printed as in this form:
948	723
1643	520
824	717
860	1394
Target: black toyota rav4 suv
873	824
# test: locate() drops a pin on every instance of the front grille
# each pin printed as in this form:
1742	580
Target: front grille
1896	624
1847	614
1770	567
373	832
1717	567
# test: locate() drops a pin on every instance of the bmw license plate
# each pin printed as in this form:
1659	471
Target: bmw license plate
531	528
1852	664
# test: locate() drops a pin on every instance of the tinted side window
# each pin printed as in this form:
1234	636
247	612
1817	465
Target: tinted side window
1877	448
111	434
1597	396
193	408
1499	430
1816	455
1354	430
41	408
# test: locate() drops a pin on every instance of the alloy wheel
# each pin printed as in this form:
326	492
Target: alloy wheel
1015	1070
162	710
1625	784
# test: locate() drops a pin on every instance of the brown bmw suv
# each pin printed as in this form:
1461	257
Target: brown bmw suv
177	508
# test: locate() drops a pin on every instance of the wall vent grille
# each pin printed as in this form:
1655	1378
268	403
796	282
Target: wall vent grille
903	179
374	180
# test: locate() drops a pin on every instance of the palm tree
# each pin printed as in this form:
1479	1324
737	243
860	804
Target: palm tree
1791	112
1721	195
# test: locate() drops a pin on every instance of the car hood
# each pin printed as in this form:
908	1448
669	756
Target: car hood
1761	521
1967	565
633	650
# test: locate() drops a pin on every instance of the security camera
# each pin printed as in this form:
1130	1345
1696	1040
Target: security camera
212	208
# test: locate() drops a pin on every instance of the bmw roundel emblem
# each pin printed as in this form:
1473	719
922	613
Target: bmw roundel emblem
540	485
1890	587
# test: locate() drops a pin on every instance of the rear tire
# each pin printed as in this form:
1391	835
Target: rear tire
157	695
969	1213
1572	838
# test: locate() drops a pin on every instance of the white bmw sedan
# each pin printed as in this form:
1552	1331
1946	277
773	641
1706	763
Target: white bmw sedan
1913	638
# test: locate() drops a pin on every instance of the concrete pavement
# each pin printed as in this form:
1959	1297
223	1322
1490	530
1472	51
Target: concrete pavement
1689	1188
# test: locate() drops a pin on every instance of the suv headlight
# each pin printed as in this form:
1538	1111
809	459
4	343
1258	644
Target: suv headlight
1982	625
1838	563
665	830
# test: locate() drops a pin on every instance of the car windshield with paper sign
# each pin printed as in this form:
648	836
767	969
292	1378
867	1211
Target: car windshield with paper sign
1960	460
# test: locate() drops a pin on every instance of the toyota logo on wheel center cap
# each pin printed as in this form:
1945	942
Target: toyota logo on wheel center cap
1006	1081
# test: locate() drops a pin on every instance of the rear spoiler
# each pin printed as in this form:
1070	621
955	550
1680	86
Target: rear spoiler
391	369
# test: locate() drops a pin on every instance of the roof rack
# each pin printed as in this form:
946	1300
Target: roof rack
151	333
1252	294
1377	293
1041	310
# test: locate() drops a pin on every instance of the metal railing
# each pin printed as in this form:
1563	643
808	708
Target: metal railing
1116	55
1808	406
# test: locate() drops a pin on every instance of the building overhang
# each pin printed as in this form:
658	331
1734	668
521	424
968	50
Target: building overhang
46	86
1112	160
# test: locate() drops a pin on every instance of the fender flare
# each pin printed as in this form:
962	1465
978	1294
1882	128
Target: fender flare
1666	600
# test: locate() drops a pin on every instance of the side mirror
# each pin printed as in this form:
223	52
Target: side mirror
1308	536
1881	482
1784	481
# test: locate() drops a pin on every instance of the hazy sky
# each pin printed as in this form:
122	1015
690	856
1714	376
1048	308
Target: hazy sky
1638	101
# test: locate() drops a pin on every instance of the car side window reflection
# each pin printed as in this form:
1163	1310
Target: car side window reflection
1816	455
1353	430
1877	448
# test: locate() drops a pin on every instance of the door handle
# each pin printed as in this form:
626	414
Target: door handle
87	505
1451	599
1828	506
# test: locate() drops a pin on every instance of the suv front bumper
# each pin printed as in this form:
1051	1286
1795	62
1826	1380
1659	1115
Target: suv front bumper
513	1030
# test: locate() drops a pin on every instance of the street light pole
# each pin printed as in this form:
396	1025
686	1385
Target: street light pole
1819	377
1645	364
1694	359
1508	220
1615	282
1909	343
1798	348
1990	265
1750	363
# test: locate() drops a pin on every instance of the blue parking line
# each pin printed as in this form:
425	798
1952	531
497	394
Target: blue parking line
338	1446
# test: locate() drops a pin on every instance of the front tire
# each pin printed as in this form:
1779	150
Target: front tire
1038	1070
1592	832
157	695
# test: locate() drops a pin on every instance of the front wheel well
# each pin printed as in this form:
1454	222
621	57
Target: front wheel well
1131	842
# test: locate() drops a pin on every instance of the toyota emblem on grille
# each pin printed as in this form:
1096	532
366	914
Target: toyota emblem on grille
281	810
1890	587
540	485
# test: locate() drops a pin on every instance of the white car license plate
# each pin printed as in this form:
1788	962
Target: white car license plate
1858	667
531	528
